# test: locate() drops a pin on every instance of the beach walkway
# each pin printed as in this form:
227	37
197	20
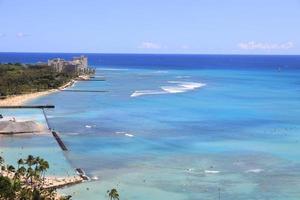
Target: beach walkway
55	182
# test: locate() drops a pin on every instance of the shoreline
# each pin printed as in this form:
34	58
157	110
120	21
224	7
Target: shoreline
51	182
21	99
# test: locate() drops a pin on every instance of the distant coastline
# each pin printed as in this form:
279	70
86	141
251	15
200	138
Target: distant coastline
18	100
24	82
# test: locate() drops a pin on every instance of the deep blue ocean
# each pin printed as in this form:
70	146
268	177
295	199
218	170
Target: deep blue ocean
153	61
180	127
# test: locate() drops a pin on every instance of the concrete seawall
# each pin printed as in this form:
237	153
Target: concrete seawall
59	141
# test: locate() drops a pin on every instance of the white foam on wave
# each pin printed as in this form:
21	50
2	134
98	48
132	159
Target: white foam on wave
211	172
170	89
182	77
177	87
124	133
190	169
112	69
188	85
182	86
146	92
254	170
95	178
161	72
120	132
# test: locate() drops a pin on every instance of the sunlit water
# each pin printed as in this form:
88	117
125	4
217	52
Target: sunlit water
177	134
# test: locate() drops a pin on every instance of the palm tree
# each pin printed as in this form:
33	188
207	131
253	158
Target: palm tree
43	166
113	194
11	168
20	162
22	171
30	160
37	160
1	162
29	175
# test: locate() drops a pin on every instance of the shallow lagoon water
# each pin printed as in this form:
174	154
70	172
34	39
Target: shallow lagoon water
38	144
237	136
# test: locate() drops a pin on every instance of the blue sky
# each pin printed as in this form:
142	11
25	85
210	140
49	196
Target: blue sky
151	26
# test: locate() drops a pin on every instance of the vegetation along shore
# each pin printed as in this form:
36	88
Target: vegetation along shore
20	83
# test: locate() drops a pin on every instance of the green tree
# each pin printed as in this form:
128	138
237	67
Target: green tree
1	162
30	160
11	168
27	182
113	194
6	191
20	162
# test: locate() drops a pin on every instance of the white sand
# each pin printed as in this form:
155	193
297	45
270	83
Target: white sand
23	98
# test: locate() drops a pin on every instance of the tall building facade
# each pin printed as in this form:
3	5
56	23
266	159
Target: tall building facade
78	65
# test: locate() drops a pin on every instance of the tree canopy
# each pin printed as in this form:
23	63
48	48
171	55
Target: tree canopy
20	79
26	181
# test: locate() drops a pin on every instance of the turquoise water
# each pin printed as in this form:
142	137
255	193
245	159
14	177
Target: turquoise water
40	144
180	134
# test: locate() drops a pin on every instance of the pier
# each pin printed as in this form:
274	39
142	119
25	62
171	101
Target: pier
56	183
82	174
46	118
59	141
28	107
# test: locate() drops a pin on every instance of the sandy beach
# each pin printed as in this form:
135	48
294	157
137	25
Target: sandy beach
52	181
23	98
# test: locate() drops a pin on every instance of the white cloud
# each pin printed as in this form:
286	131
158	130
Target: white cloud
150	45
265	46
21	35
185	47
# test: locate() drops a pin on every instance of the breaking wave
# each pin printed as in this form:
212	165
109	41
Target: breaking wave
211	172
112	69
182	76
161	72
124	133
129	135
146	92
254	170
176	87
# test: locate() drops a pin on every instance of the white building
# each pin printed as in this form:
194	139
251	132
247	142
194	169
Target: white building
77	65
57	64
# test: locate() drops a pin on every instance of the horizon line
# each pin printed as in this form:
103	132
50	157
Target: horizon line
208	54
